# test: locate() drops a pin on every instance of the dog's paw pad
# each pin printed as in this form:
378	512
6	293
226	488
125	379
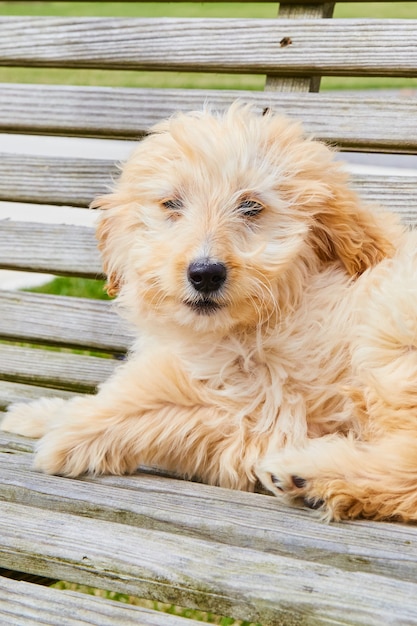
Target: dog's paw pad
288	483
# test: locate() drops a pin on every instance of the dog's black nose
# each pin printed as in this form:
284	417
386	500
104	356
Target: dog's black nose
207	276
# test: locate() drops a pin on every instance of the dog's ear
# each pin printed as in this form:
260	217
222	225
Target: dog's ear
106	233
346	230
341	226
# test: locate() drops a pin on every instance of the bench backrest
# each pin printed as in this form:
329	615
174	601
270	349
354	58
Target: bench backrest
293	51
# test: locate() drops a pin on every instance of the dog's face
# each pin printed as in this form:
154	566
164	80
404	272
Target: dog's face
216	220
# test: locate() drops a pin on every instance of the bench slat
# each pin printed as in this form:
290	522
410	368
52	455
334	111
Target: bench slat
53	369
69	181
26	604
395	193
346	120
27	178
319	47
11	393
62	321
229	580
57	248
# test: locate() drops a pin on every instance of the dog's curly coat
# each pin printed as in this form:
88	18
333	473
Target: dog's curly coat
277	318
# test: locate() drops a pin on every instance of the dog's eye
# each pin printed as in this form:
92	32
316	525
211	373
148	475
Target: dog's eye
250	208
173	205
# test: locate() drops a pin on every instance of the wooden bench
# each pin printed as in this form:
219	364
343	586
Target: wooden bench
231	553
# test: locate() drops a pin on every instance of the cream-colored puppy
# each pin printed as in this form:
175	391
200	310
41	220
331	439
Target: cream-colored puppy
276	325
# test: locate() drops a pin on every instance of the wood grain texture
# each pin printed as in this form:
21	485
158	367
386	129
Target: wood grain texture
348	121
393	193
27	178
211	513
69	181
319	47
25	604
54	248
244	582
53	369
299	83
11	392
62	321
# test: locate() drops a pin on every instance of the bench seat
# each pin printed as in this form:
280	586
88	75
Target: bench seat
194	545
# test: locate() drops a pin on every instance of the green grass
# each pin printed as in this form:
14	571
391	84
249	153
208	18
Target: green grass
201	616
393	10
76	287
117	78
141	9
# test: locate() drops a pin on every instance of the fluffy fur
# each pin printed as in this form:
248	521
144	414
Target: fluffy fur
300	369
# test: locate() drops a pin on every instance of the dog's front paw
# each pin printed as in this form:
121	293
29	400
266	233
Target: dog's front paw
33	418
289	477
319	483
69	450
57	453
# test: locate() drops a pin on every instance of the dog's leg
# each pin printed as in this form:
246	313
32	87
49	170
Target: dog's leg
149	412
344	478
102	439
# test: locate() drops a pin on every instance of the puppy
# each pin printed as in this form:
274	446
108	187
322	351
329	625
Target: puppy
276	317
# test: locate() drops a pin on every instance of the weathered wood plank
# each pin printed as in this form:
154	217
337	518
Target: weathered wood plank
219	515
25	604
11	392
12	444
299	83
63	370
53	248
394	193
346	120
63	181
318	47
52	180
229	580
62	321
